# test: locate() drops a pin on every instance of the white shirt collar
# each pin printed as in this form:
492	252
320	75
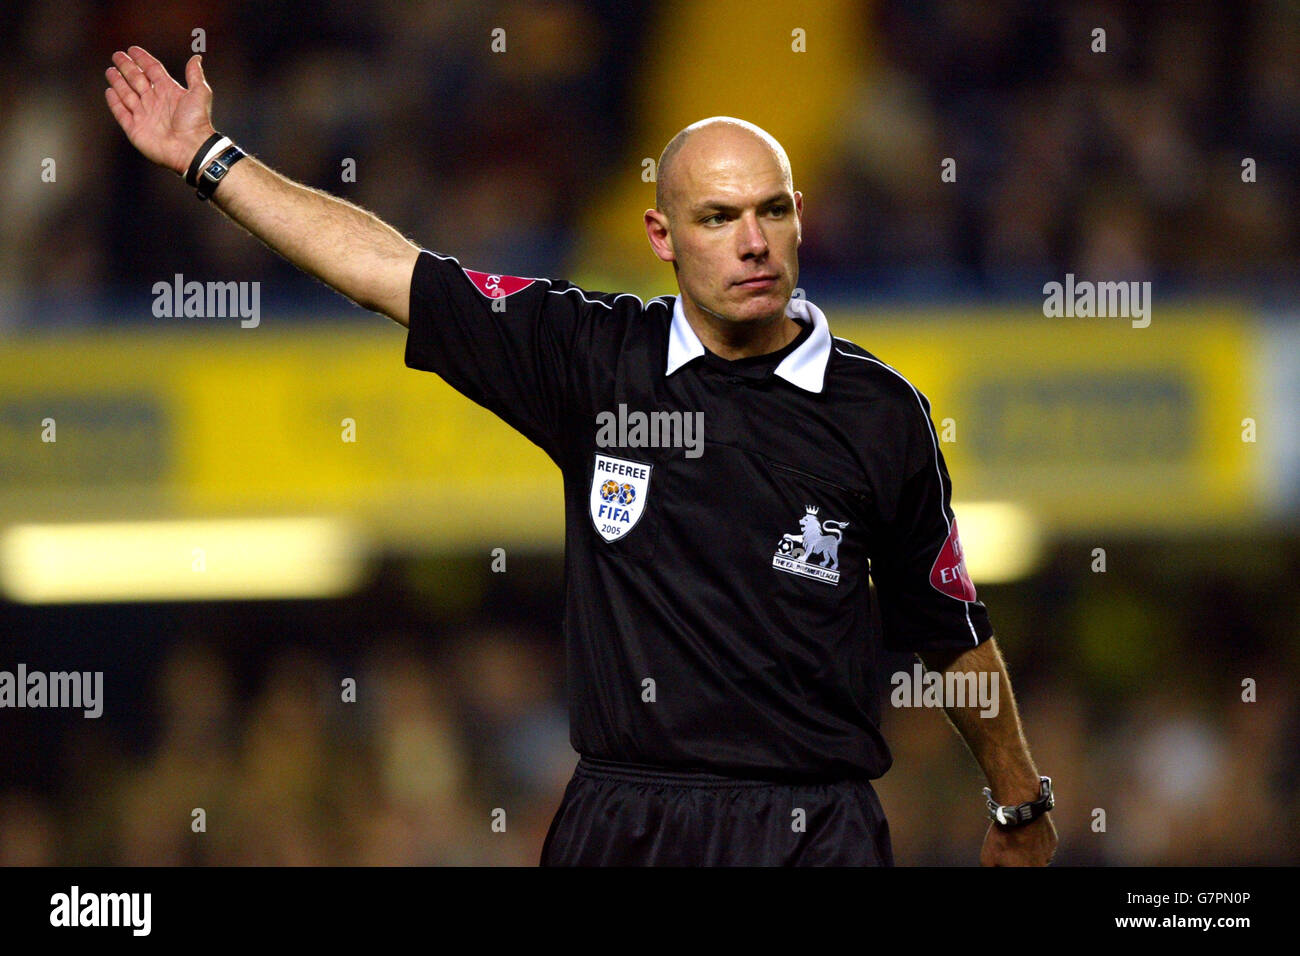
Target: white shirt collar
804	367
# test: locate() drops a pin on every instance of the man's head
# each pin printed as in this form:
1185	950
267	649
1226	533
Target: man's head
726	211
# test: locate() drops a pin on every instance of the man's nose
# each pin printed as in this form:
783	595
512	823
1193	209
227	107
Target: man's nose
753	241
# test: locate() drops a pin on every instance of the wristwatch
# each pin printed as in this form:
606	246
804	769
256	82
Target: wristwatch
214	171
1015	815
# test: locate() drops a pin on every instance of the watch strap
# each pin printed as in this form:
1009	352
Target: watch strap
215	169
1014	815
192	174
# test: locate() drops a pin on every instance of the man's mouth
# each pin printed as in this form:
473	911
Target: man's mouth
758	282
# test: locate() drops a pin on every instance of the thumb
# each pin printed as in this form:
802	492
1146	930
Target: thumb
194	71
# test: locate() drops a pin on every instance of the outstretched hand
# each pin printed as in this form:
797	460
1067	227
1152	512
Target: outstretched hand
163	120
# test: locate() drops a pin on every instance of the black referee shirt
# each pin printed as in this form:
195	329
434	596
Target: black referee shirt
717	607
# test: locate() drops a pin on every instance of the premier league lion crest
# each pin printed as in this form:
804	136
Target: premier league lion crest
618	495
817	540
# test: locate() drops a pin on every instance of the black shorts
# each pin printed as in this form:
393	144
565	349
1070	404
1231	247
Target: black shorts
616	814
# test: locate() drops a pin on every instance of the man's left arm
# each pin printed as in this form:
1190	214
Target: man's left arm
998	745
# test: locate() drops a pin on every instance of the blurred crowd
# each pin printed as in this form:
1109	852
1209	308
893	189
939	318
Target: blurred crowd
1131	703
459	761
1122	165
465	149
1125	164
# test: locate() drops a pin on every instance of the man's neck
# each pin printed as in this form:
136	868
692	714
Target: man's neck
736	340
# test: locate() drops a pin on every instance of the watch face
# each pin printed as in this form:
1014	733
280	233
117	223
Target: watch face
214	169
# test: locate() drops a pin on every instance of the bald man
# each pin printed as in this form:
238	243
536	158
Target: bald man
735	273
734	478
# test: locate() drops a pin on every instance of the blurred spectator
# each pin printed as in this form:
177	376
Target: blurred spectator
486	155
1119	165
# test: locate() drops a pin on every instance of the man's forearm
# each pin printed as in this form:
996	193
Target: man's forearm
339	243
997	741
342	245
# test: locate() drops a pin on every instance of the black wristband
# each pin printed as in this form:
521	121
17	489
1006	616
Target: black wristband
192	177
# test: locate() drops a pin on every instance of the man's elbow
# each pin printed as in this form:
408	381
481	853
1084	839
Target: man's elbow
948	658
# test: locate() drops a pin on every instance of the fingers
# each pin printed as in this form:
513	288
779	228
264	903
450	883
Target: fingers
149	65
131	72
117	84
194	72
117	107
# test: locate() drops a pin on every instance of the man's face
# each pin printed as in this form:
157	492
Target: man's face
734	218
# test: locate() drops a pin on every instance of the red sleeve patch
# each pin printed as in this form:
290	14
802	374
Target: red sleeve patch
497	286
949	575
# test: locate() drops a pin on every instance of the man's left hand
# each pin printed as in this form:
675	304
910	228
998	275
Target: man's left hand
1032	844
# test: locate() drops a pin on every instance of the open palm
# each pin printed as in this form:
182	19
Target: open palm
163	120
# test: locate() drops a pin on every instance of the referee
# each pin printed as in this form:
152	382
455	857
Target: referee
734	477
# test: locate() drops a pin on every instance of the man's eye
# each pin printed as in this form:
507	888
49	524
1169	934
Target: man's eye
779	210
716	215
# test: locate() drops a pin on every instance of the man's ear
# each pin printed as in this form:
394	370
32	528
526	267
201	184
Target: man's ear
659	232
798	208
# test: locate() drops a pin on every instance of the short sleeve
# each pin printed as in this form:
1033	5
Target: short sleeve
927	599
505	342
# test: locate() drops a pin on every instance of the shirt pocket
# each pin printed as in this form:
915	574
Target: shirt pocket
822	523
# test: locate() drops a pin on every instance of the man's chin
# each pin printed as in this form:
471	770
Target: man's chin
758	307
749	308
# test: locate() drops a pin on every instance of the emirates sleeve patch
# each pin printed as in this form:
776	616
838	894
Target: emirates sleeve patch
497	286
949	575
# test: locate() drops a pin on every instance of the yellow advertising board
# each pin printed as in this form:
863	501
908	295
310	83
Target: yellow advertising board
1089	424
256	422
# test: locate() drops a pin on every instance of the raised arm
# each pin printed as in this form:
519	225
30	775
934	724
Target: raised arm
339	243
